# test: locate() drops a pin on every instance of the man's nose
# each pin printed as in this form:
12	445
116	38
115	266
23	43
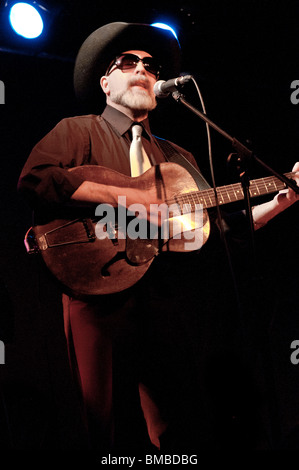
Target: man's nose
140	68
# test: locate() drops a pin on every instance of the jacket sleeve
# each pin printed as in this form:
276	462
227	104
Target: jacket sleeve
45	178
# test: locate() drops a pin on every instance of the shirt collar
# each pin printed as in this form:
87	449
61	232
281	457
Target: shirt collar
121	122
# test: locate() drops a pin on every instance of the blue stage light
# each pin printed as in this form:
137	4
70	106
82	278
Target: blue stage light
26	20
165	26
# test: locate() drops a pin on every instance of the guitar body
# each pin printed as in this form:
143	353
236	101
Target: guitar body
87	265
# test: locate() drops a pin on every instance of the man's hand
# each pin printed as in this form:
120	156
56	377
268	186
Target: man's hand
284	199
155	207
287	194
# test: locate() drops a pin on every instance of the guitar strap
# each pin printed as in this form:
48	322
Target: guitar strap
172	155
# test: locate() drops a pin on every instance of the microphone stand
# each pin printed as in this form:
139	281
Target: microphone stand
243	152
242	157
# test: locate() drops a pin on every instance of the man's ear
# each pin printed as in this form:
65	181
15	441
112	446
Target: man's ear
105	85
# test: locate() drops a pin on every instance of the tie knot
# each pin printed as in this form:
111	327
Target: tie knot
136	131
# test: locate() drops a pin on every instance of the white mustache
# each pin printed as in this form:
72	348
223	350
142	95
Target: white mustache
144	81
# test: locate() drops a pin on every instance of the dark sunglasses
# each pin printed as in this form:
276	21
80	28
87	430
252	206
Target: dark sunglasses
130	61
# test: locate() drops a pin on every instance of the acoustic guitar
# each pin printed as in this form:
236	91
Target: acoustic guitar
86	264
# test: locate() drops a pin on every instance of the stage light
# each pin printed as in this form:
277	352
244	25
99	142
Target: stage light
25	20
165	26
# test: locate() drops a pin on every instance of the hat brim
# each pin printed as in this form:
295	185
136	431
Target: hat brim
101	46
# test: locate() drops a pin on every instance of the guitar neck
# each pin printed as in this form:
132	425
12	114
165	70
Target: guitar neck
231	192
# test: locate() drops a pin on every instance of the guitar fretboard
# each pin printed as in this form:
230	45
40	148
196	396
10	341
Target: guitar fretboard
229	193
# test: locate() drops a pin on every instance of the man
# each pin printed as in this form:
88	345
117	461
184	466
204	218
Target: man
108	334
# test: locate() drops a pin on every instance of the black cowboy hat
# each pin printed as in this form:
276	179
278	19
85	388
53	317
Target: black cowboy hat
101	47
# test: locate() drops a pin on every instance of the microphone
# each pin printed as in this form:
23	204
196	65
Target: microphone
162	88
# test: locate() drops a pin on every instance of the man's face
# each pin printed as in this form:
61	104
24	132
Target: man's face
131	88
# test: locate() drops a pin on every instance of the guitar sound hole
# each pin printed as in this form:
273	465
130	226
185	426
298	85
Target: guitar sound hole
118	257
105	272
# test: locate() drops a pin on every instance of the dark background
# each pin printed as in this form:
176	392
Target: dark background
244	56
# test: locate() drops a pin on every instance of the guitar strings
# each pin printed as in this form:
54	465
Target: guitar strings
229	193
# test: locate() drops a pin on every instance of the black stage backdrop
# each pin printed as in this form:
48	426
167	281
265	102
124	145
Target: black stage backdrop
244	56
